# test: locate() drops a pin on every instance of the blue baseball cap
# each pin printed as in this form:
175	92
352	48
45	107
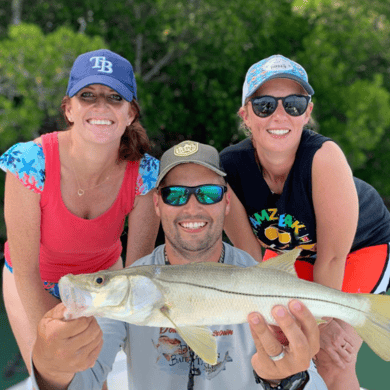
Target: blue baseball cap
103	67
274	67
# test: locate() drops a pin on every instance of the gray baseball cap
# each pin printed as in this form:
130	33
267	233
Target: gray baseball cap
190	152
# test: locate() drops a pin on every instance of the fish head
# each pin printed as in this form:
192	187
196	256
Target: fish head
99	294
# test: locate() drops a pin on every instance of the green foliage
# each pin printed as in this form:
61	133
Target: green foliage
345	60
34	70
190	56
201	89
190	59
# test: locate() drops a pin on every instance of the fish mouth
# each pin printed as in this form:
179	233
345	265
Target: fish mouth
76	301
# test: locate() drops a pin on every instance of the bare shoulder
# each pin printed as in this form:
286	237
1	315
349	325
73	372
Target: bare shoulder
330	157
38	140
14	189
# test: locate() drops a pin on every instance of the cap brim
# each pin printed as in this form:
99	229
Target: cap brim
164	172
104	80
304	84
308	88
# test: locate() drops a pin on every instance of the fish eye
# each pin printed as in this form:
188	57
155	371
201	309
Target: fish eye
99	280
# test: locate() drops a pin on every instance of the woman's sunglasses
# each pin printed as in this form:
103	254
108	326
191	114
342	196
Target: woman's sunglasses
205	194
294	105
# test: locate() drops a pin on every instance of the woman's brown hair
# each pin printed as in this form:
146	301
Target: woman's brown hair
134	142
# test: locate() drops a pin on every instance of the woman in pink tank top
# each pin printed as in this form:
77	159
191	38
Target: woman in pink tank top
68	193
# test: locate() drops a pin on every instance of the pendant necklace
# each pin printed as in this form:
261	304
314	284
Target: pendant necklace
80	191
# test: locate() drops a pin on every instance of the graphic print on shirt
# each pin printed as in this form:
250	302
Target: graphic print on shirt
26	161
281	232
168	347
174	355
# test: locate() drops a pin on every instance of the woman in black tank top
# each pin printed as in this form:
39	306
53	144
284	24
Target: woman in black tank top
294	188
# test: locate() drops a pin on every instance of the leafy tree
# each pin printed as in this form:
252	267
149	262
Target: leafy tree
190	56
190	59
34	70
346	64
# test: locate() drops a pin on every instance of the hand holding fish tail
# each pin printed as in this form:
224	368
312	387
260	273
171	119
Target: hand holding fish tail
302	333
63	348
337	343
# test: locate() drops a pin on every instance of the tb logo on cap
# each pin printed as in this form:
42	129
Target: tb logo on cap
104	65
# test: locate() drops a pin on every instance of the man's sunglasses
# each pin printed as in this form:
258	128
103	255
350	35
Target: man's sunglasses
205	194
294	105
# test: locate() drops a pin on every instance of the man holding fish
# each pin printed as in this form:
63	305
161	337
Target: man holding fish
158	310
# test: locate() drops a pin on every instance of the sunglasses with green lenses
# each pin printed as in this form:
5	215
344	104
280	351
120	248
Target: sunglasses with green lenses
294	105
205	194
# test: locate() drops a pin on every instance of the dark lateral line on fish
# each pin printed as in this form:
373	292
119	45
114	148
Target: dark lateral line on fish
258	296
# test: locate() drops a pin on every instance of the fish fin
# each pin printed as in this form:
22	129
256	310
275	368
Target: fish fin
201	341
376	328
284	262
198	338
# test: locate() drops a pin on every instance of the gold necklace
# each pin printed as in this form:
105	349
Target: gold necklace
80	191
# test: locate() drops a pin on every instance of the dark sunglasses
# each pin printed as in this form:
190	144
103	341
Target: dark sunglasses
205	194
294	105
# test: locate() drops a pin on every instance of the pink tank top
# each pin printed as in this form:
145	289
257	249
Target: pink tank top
70	244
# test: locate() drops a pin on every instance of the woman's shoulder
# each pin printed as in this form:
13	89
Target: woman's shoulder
26	160
312	139
236	156
241	147
148	170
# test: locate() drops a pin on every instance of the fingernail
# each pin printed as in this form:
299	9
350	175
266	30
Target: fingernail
280	312
296	305
255	320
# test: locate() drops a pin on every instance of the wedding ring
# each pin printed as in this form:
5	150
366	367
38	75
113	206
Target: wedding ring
278	357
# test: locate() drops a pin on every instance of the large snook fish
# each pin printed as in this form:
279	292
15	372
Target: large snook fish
191	297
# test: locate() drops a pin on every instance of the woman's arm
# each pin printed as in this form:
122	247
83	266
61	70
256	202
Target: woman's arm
336	208
238	228
143	228
23	216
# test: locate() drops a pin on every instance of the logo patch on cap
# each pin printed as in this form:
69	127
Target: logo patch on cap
104	65
186	148
277	64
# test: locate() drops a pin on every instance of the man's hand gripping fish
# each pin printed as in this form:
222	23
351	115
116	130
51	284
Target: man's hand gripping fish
191	297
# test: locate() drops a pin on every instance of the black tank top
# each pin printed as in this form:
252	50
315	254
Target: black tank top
283	222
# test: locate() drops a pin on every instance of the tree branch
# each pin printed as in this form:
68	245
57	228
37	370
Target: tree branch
161	63
16	11
138	54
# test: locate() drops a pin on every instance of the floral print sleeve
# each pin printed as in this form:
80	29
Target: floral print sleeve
147	174
26	161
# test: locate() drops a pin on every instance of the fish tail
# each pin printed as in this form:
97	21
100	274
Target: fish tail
376	328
